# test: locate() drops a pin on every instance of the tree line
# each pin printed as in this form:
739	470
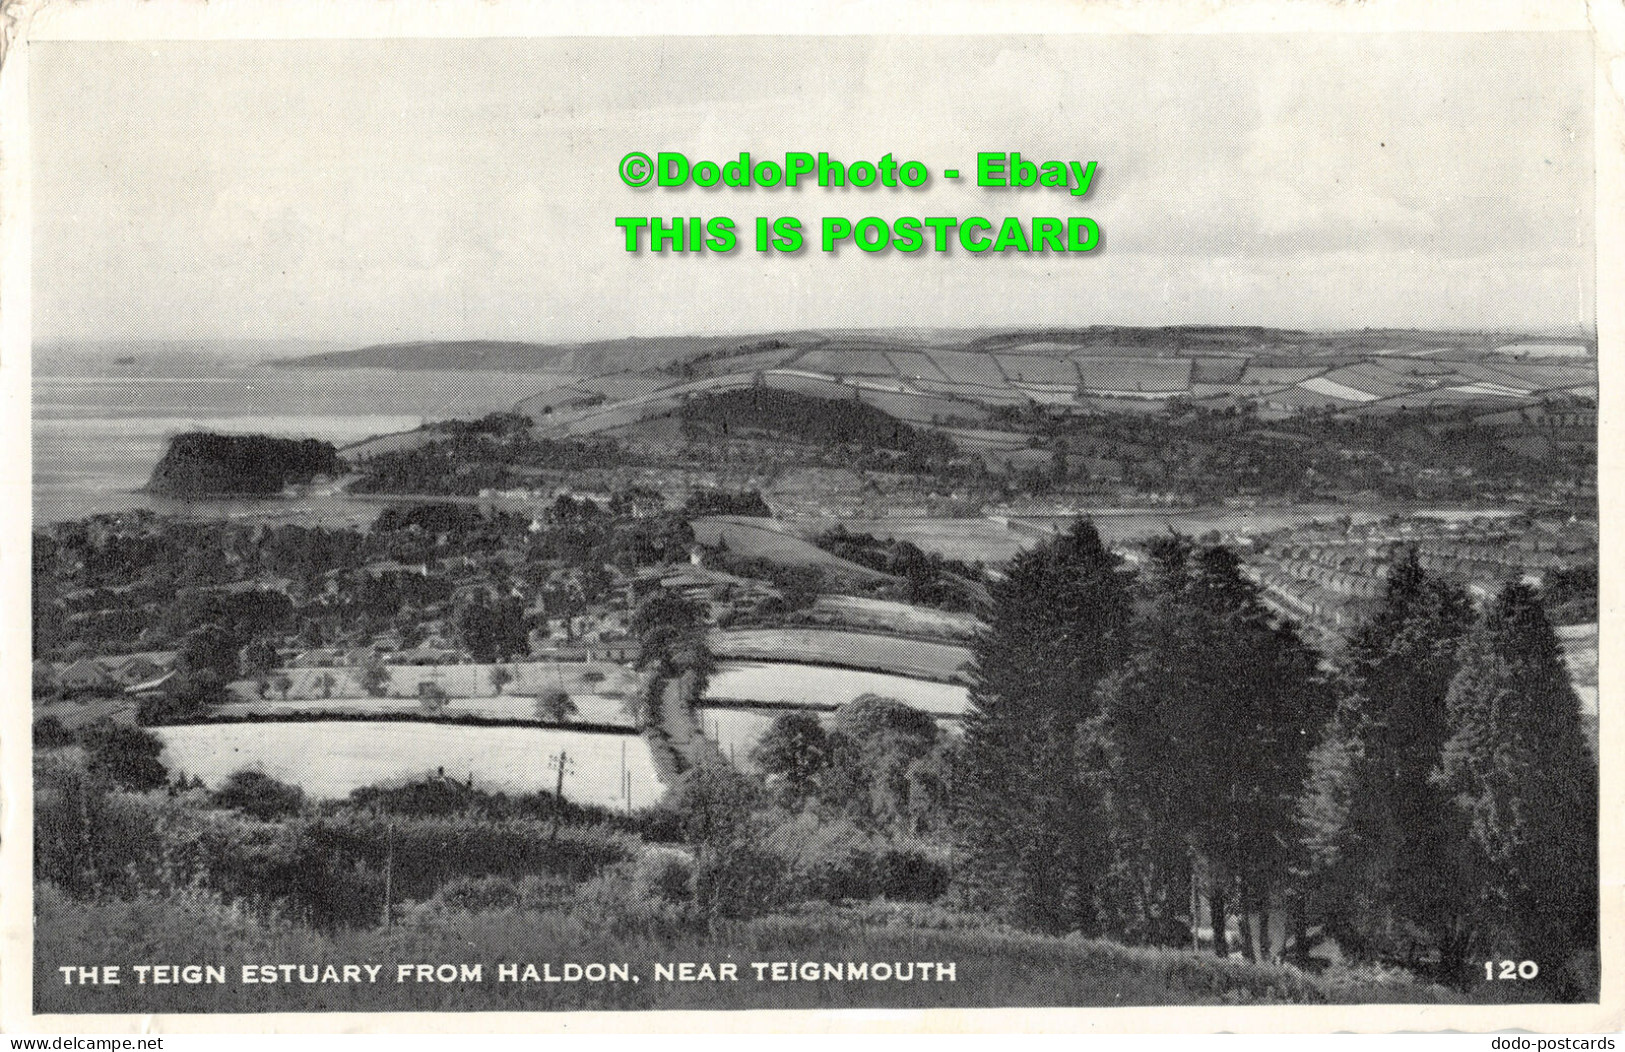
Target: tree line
1155	751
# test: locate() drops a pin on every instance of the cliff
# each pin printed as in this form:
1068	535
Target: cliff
203	464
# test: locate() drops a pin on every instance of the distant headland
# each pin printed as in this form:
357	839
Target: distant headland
201	464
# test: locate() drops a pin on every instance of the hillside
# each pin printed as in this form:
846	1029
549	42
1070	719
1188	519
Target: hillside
604	356
203	464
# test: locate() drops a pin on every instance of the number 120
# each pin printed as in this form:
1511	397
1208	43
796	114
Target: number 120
1511	970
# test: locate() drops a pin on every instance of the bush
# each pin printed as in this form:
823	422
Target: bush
478	894
664	875
909	875
258	794
739	880
87	839
126	756
50	734
612	904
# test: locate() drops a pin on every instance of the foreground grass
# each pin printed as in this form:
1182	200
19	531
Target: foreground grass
992	968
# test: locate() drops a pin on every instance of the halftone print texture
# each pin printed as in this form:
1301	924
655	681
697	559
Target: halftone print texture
1208	618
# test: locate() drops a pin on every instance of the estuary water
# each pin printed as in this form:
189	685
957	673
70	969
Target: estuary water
100	425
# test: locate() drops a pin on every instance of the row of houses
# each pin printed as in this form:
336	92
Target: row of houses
1365	583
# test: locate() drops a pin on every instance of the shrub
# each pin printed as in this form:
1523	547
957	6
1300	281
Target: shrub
50	734
738	880
258	794
612	904
665	875
478	894
126	756
911	875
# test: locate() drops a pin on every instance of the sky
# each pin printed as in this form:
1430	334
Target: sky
376	191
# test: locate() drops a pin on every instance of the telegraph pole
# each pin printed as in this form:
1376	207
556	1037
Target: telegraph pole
561	761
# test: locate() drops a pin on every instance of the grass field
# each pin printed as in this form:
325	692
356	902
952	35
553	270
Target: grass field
859	612
736	731
329	760
812	686
744	537
859	650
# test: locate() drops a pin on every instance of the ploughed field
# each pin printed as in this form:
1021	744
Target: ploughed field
328	760
859	612
856	650
784	685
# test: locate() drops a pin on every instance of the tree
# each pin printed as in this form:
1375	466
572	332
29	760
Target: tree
1208	730
45	682
189	695
492	630
259	659
554	706
49	733
881	764
1375	826
375	680
126	756
325	683
794	750
500	676
670	629
209	648
1523	783
1027	812
433	697
281	683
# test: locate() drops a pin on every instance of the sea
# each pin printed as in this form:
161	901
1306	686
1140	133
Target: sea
103	416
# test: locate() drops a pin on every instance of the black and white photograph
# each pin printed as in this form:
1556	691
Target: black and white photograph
649	521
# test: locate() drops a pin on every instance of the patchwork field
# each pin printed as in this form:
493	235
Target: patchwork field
859	612
817	687
329	760
755	539
859	650
928	382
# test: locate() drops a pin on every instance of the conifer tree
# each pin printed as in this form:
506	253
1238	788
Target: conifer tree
1375	829
1033	838
1210	726
1524	784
